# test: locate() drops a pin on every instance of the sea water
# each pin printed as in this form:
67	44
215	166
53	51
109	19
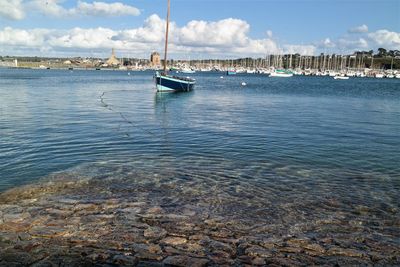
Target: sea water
289	152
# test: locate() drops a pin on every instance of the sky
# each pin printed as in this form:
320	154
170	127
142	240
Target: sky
198	29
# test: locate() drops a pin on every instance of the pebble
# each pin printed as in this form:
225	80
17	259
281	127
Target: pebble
185	261
124	260
155	233
256	251
173	241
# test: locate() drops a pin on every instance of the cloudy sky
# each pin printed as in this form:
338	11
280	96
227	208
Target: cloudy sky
199	28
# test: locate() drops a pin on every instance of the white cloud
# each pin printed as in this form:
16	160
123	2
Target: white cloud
257	48
327	43
105	9
350	45
364	41
221	33
359	29
269	34
308	50
12	9
24	38
223	38
83	38
101	9
153	31
386	39
49	7
343	45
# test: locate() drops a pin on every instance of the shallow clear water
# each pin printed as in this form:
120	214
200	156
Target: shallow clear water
274	140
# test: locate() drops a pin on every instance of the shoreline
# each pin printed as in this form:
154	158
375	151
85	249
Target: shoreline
79	220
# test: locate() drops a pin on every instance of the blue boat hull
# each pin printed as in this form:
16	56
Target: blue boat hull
166	83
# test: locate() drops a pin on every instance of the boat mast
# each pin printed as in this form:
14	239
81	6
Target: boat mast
166	39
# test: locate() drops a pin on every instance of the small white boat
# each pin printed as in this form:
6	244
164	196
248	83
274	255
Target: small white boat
251	71
281	73
187	71
341	77
379	75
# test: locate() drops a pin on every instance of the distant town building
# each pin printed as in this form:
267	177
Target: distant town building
112	61
155	59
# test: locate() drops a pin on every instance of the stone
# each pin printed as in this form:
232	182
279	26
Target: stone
67	201
219	246
143	255
125	260
291	249
257	251
194	248
337	251
8	237
22	258
199	237
87	206
185	261
222	233
136	204
314	249
155	210
58	212
16	217
258	261
173	241
156	249
47	231
297	242
154	233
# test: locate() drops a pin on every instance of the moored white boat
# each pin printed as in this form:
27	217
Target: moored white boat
281	73
187	71
341	77
231	71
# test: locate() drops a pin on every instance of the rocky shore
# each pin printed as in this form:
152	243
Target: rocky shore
83	222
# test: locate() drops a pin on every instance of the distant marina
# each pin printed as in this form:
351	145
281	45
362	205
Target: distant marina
360	64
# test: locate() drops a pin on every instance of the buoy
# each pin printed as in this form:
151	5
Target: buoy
129	73
244	84
222	77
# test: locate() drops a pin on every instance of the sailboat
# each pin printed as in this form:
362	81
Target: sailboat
169	83
281	73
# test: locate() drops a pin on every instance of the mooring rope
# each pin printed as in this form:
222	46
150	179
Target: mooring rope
107	106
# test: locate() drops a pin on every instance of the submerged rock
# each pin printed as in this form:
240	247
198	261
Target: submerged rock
173	241
154	233
185	261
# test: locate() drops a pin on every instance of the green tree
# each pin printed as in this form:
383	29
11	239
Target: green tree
382	52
